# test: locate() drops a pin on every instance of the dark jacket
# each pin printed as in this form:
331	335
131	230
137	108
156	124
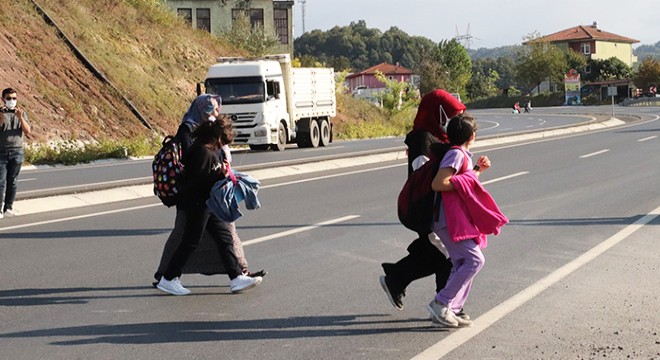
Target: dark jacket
202	170
419	143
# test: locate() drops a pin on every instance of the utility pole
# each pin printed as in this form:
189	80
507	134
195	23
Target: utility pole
302	7
467	37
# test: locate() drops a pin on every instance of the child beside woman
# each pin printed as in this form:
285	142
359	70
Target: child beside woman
467	213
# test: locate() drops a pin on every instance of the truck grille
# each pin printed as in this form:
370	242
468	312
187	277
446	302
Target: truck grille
243	120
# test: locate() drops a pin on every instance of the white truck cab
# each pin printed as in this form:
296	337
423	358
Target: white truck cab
271	103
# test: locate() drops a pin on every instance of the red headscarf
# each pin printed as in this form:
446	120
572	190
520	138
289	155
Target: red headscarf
429	116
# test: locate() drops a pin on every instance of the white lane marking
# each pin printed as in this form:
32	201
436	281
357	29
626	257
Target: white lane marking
28	179
594	154
298	230
482	128
505	177
78	217
87	185
648	138
331	176
460	337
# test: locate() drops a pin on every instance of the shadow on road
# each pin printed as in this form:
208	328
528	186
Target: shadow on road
202	331
82	295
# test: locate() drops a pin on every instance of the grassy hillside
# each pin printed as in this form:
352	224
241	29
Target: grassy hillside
152	57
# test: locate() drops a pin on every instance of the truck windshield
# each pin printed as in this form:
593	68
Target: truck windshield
242	90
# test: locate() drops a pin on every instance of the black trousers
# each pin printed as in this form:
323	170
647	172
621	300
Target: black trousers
198	219
423	259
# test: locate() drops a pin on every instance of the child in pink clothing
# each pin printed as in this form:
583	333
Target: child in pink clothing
464	252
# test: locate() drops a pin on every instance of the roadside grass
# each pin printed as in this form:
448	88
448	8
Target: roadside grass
360	119
73	152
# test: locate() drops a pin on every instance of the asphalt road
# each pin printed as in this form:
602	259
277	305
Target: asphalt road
46	181
574	275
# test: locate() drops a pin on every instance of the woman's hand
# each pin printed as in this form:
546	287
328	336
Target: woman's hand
224	169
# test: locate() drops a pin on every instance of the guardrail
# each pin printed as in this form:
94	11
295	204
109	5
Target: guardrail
643	101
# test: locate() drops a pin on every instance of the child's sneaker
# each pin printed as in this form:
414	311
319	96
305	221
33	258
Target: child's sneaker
243	282
441	315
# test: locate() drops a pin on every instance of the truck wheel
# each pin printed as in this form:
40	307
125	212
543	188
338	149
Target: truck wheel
325	133
281	139
314	134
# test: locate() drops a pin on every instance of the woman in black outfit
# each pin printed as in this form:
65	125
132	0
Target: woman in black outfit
203	168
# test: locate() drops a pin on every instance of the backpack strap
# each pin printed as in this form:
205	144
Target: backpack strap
438	196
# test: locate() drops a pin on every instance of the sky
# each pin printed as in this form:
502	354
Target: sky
492	23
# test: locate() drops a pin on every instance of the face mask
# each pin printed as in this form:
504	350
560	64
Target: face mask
212	118
10	104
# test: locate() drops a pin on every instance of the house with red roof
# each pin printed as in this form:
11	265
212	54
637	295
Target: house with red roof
366	79
594	43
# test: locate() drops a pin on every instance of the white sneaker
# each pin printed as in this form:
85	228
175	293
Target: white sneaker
243	282
173	286
441	315
8	213
1	215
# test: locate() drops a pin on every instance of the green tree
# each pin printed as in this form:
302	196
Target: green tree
539	61
447	66
504	67
648	73
362	46
574	60
254	40
608	69
482	84
396	93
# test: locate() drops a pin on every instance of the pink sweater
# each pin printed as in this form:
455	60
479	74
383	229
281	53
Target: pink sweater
470	211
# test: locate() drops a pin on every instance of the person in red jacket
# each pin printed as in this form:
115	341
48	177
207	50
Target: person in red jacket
423	259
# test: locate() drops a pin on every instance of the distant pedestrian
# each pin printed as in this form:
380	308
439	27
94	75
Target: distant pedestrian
516	108
528	106
467	213
14	125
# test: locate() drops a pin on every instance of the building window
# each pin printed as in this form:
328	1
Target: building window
185	14
256	16
282	25
585	48
203	19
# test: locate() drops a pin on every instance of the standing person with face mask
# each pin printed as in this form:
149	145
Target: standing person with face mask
14	125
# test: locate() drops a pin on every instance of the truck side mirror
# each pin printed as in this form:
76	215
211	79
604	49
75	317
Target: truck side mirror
277	89
273	89
199	88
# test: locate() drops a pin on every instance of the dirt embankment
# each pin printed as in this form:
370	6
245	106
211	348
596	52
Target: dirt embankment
151	57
